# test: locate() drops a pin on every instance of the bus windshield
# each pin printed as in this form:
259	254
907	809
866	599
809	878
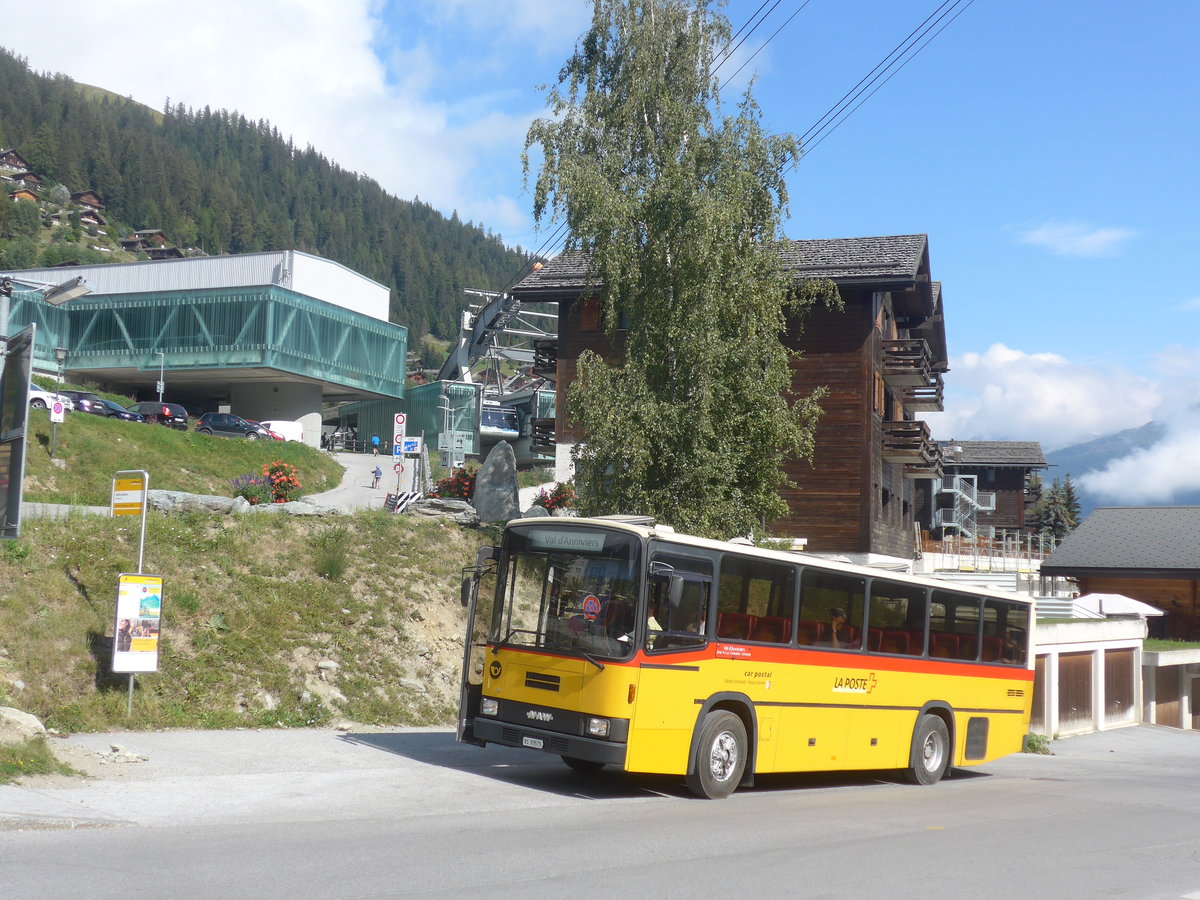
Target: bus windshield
568	590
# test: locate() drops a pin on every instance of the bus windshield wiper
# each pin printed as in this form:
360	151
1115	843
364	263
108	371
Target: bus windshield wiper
595	662
511	632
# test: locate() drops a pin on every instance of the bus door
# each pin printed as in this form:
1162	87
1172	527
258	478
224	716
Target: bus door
671	683
477	580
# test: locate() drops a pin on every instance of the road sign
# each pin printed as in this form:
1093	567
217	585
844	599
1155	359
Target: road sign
401	421
57	411
398	467
411	445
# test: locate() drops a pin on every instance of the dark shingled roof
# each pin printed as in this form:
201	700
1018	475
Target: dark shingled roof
1027	454
894	258
1162	541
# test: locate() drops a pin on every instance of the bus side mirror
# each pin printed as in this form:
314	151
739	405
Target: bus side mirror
486	554
468	585
674	591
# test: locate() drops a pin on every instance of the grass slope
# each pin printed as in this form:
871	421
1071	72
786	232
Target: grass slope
268	620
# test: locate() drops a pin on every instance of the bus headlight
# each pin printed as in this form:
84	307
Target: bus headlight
598	727
489	706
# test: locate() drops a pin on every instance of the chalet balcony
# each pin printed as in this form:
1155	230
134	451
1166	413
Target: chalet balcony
542	435
910	444
545	357
924	398
908	363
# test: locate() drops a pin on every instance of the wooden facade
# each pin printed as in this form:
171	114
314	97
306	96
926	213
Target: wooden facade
999	490
880	360
1149	553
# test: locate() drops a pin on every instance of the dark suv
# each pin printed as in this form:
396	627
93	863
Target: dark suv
86	401
171	414
229	425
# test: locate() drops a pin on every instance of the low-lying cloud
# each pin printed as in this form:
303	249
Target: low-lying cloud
1008	394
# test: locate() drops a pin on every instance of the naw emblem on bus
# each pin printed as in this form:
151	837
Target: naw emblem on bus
856	685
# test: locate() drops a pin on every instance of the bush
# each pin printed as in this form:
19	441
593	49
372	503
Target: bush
459	486
1037	743
284	483
254	488
561	496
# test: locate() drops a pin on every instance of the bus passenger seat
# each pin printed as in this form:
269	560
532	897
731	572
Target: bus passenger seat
773	629
808	632
944	646
894	641
874	639
736	626
992	648
967	646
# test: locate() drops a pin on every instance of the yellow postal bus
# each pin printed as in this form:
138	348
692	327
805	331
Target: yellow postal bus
615	641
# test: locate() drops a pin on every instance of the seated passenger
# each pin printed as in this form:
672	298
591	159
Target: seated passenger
840	634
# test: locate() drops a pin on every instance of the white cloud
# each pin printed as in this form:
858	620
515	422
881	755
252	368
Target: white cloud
1171	468
1156	475
1192	303
366	84
1007	394
1077	239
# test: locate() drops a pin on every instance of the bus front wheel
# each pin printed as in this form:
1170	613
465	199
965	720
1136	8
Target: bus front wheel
720	756
930	754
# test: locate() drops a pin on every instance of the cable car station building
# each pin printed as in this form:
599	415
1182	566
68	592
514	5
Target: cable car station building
273	335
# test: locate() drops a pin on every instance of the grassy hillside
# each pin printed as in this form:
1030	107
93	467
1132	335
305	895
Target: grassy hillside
267	619
90	450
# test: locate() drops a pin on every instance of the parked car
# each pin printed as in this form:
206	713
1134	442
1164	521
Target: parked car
275	435
290	430
229	425
117	411
40	399
86	401
170	414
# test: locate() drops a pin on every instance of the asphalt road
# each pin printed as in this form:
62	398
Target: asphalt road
409	813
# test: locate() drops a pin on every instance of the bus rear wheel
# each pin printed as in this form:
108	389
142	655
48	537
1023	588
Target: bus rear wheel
930	755
583	766
720	756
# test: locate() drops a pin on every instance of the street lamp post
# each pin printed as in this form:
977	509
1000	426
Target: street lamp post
60	354
162	359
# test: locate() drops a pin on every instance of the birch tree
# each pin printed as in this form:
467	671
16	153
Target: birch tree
677	206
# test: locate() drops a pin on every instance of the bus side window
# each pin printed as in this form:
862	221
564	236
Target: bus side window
1005	632
821	594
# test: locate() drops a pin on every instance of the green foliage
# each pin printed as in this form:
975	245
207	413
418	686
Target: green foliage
561	496
677	209
1057	512
458	486
33	757
215	180
93	448
244	620
331	552
1037	743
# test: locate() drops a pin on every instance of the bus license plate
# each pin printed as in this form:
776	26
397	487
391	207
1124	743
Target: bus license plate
535	743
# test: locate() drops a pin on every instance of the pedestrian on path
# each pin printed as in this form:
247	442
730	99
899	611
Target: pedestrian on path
378	473
375	444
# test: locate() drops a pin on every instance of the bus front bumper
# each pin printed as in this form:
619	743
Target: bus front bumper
510	735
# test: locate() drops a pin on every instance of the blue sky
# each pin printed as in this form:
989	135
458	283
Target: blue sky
1047	149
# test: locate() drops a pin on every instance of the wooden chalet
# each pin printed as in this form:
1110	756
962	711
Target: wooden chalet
12	161
986	488
27	178
1149	553
881	360
150	241
23	194
88	200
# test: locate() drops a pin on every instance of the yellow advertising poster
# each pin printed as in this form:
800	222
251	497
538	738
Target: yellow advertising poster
138	621
128	495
